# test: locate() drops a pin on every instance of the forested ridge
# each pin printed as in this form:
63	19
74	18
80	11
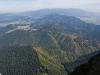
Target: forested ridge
20	61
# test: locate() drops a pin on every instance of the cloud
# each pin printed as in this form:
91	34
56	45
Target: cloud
65	3
23	5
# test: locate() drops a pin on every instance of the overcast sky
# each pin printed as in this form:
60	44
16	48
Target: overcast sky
25	5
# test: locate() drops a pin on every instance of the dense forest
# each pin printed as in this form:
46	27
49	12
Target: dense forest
20	61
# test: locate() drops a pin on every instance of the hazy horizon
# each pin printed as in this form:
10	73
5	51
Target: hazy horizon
31	5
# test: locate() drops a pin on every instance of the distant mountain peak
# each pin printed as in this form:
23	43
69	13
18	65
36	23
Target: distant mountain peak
44	12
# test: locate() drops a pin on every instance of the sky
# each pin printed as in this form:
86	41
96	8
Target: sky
29	5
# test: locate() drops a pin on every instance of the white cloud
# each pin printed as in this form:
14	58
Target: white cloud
22	5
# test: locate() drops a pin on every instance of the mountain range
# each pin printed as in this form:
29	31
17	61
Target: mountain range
50	45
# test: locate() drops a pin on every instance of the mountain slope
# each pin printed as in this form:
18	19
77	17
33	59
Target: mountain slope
29	60
20	61
70	66
90	68
52	60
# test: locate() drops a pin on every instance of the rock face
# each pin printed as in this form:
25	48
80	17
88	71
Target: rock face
90	68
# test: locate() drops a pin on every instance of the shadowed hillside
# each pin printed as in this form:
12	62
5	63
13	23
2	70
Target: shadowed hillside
90	68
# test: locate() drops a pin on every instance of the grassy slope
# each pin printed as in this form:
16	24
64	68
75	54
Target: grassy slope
52	60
